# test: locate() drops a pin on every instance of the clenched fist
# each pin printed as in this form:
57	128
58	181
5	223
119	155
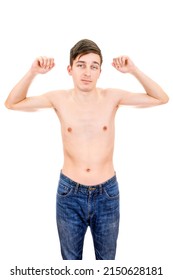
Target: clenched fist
42	65
123	64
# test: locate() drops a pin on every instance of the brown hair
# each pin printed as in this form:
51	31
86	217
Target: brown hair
83	47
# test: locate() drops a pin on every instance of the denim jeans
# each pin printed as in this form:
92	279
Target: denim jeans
79	206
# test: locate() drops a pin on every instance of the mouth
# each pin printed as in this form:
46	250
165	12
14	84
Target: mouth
86	81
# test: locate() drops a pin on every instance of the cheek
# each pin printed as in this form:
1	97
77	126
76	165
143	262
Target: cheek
76	77
96	76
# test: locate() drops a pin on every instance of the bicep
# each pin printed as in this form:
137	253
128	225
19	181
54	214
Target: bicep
123	97
33	103
137	99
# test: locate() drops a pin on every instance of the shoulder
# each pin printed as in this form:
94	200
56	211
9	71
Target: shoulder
109	96
56	94
114	93
58	97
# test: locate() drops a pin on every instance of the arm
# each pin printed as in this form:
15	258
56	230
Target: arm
154	93
18	100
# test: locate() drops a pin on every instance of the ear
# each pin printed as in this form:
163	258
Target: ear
69	69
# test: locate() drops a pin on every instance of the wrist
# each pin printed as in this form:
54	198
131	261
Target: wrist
135	71
31	73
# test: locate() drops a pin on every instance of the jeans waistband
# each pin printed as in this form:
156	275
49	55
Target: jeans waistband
73	183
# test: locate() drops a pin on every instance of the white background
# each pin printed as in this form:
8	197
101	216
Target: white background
30	143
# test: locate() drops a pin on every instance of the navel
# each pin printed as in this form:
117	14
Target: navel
88	170
69	129
105	128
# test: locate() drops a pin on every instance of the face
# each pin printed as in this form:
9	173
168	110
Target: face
85	71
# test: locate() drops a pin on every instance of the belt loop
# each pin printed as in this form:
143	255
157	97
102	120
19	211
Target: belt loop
100	189
77	187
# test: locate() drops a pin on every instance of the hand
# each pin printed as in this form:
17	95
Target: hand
42	65
123	64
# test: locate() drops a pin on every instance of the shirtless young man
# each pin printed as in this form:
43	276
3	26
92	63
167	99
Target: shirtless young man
88	193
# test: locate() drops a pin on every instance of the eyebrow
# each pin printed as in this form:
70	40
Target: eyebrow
81	61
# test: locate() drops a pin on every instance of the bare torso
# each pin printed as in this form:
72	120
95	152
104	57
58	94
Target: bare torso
88	137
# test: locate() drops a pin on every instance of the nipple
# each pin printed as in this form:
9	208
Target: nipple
69	129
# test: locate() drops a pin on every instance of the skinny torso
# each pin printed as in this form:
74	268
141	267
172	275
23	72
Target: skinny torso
88	137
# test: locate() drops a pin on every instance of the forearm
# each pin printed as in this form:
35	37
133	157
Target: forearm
151	87
19	92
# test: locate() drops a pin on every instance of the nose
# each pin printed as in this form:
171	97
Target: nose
87	71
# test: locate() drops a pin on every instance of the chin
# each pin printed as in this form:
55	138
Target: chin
87	88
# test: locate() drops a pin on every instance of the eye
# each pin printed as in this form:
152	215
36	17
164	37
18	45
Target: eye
94	67
80	65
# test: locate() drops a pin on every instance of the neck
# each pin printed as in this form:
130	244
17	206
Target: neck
83	96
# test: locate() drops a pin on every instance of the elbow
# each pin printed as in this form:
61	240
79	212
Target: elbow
165	100
8	105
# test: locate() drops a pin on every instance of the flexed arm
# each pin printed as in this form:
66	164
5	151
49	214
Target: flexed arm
154	95
18	100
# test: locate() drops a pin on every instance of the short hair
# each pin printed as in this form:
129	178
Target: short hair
83	47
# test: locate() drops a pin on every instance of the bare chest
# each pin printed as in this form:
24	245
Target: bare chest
86	119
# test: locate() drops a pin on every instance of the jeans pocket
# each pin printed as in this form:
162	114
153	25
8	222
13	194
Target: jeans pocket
64	190
112	191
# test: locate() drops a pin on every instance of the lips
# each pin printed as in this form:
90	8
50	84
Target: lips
86	81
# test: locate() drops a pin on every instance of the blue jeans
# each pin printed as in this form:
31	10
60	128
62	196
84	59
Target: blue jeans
79	206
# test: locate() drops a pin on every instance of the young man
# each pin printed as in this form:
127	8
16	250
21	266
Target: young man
88	193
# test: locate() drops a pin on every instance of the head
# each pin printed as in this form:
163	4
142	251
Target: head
83	47
85	65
